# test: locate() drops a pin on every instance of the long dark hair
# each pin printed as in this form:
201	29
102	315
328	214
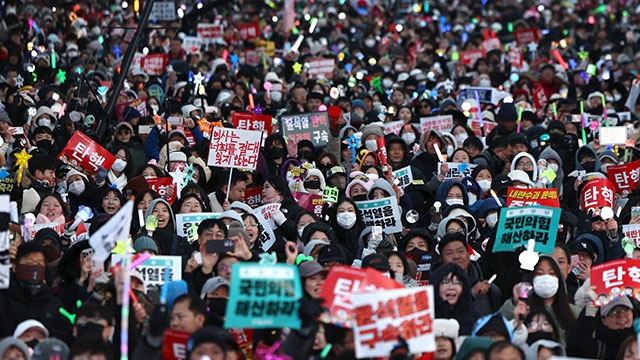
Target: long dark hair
65	209
560	306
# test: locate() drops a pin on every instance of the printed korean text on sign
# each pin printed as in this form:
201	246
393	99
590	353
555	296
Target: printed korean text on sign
234	148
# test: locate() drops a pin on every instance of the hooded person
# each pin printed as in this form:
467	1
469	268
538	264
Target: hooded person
427	160
359	186
313	183
275	190
527	163
452	192
453	298
73	273
82	191
399	155
587	159
533	351
13	348
450	224
554	162
507	117
165	234
346	221
275	152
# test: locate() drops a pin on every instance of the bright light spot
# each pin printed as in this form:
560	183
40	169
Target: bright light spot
199	6
466	106
606	75
180	13
125	4
307	17
32	111
540	8
507	100
514	77
372	61
34	53
55	96
274	18
145	50
399	28
53	9
342	16
563	43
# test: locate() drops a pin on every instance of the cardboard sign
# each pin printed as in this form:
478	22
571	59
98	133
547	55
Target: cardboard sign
263	296
321	68
308	126
491	44
174	344
381	212
344	281
470	57
210	32
161	185
234	148
632	231
85	155
311	202
457	170
163	11
154	268
253	197
138	104
526	36
616	278
393	127
488	127
404	176
530	197
384	315
115	229
249	31
185	221
423	260
517	226
613	135
597	193
265	212
442	123
539	98
253	122
154	64
625	176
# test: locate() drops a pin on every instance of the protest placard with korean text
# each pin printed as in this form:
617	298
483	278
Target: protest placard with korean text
234	148
470	57
442	123
457	170
154	64
383	316
263	296
85	155
31	231
632	231
154	268
174	344
517	226
530	197
185	221
404	176
393	127
597	193
344	281
161	186
307	126
526	36
210	32
253	122
163	11
122	111
625	176
253	197
249	31
616	278
381	212
311	202
487	125
321	68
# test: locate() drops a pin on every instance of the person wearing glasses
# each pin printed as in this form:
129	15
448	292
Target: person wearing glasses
453	299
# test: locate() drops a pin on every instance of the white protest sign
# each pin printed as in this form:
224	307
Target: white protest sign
404	176
624	116
402	312
184	221
632	231
234	148
210	32
31	231
393	127
116	229
264	214
163	11
381	212
613	135
457	170
192	44
153	269
442	123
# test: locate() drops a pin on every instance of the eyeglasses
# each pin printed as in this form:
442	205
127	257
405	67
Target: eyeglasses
544	325
618	312
251	225
451	284
191	206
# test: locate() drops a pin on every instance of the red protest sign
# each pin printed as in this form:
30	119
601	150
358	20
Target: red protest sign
174	344
491	44
154	64
249	31
515	57
253	122
625	176
526	36
311	202
382	316
528	197
210	31
597	193
161	185
321	68
539	98
470	57
234	148
85	155
616	278
253	197
138	104
488	127
342	282
244	339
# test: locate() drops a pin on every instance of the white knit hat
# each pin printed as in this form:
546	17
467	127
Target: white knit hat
447	328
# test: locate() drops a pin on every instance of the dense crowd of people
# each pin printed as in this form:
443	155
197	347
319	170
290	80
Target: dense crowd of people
523	87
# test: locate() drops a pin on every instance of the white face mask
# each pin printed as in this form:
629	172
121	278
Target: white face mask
409	138
44	122
371	145
77	187
460	138
155	108
346	219
376	105
455	202
545	286
398	67
485	185
553	167
617	96
484	83
603	168
387	83
492	220
472	198
119	165
276	96
301	230
370	43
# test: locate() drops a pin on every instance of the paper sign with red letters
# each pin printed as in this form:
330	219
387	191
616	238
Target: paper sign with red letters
253	197
382	316
138	104
85	155
632	231
210	32
321	68
488	127
174	344
597	193
529	197
491	44
393	127
616	278
340	285
526	36
234	148
470	57
442	123
311	202
625	176
540	98
160	185
253	122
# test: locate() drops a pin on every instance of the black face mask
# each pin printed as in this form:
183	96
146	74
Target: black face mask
539	335
305	154
276	152
90	328
589	166
51	253
312	184
217	306
30	277
361	197
45	144
33	343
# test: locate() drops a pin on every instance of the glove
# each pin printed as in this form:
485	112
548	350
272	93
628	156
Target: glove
158	320
279	218
101	175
